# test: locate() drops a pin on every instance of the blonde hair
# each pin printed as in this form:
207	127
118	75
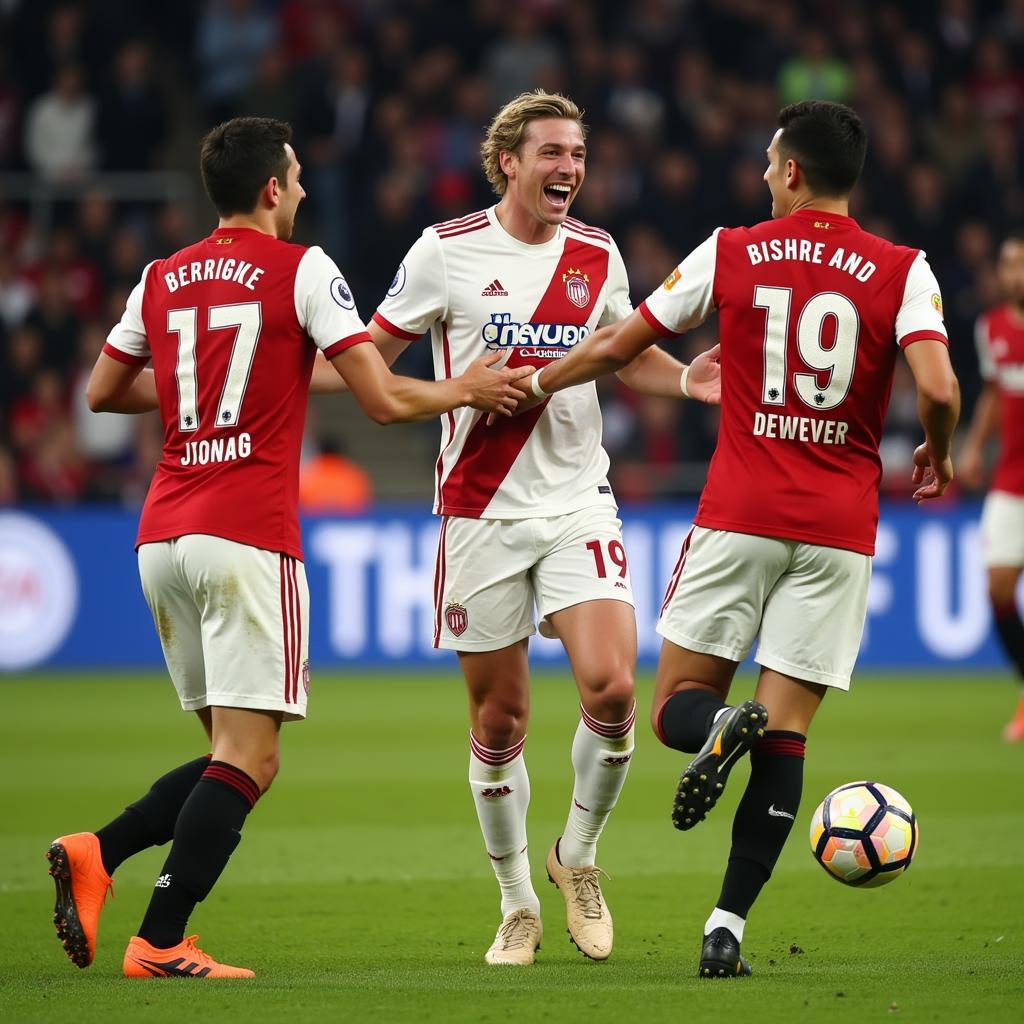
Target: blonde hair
505	132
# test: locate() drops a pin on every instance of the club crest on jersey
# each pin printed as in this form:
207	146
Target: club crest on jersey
457	617
577	287
398	281
547	341
342	294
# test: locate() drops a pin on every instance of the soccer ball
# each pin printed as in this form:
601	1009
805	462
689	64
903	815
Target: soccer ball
864	834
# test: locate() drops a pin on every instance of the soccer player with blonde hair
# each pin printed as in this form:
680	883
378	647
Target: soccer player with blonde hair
527	515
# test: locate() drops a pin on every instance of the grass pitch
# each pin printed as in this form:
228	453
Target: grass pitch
362	892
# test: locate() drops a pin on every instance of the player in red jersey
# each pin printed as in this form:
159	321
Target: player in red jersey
812	314
1000	339
232	325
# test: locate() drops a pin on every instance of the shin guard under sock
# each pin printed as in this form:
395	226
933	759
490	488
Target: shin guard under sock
205	835
764	818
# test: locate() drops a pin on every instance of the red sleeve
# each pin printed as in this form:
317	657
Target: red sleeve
346	343
655	323
909	339
388	326
124	357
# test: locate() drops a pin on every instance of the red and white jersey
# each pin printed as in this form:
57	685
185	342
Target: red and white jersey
478	290
232	325
999	335
811	309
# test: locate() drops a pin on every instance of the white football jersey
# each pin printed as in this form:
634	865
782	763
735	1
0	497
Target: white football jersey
477	290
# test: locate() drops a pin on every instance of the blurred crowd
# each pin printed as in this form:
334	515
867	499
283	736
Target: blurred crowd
389	99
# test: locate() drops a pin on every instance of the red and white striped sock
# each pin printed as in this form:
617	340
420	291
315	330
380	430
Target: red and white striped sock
501	792
601	754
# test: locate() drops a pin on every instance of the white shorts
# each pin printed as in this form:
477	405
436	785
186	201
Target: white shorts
233	621
491	573
1002	529
808	603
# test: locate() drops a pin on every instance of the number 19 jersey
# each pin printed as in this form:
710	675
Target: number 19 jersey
477	289
232	325
811	311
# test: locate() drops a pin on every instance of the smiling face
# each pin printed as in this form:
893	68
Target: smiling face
547	171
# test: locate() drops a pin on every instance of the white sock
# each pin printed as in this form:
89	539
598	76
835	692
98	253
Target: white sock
601	753
501	792
723	919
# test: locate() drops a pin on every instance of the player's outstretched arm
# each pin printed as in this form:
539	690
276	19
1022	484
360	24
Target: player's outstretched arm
938	406
971	461
120	387
387	398
327	380
656	372
607	350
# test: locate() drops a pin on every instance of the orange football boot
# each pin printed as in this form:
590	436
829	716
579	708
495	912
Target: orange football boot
186	960
82	884
1013	731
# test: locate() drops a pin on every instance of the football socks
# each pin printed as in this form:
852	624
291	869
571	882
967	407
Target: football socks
764	818
1011	633
205	835
686	718
601	754
501	793
150	820
723	919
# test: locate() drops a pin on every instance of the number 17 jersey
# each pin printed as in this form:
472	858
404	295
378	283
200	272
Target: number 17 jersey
811	311
232	325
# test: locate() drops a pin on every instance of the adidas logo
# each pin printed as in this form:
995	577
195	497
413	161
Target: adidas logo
494	289
163	882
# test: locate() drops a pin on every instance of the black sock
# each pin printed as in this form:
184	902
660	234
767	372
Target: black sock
205	835
685	719
150	820
1011	633
763	818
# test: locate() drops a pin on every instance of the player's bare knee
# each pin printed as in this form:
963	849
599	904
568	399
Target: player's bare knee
610	698
500	724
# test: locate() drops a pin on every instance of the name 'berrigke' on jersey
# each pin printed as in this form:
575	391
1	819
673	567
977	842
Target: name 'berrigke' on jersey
232	325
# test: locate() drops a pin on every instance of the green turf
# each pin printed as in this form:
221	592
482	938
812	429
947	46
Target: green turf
362	892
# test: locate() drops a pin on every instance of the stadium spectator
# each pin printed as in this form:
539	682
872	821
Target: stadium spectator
132	126
54	318
16	294
522	57
231	37
816	73
60	128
